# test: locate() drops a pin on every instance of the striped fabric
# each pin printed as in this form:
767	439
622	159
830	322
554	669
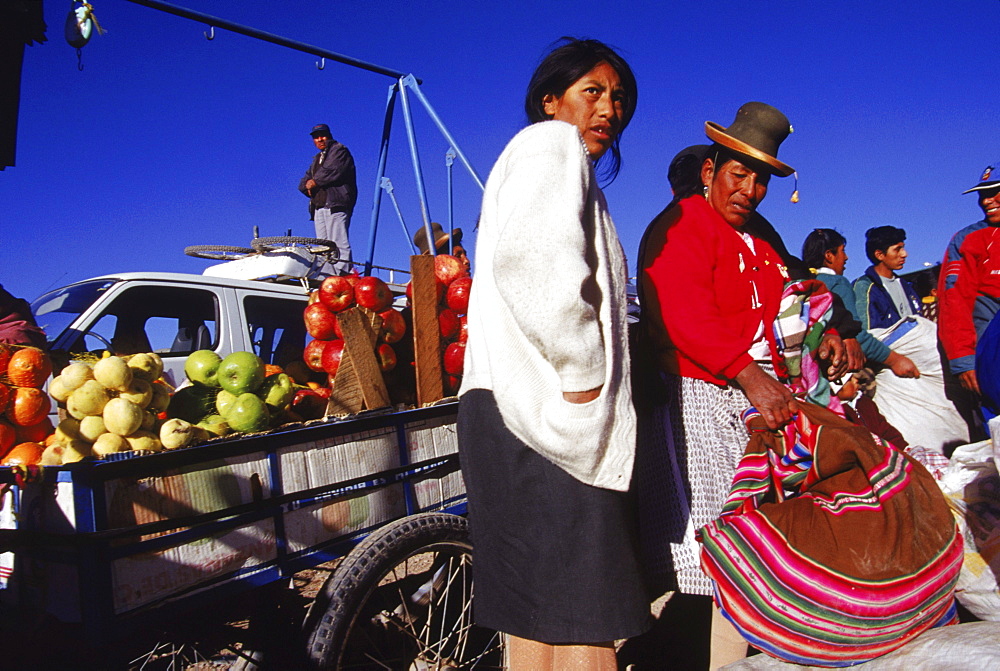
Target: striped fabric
833	548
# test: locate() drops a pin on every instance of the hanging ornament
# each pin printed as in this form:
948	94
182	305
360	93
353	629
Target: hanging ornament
80	23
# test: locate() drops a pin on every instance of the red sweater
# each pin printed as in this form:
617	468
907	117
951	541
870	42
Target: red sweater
697	284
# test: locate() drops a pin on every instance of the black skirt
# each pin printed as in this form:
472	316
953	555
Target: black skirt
554	559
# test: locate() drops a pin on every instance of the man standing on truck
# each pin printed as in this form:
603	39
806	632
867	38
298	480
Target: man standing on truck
331	186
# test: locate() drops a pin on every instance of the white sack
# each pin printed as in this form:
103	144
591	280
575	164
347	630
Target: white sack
918	407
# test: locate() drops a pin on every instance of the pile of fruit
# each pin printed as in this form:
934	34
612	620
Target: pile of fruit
113	405
24	407
336	294
454	285
236	394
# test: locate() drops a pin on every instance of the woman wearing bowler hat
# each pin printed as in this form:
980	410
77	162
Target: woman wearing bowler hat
441	240
710	292
546	425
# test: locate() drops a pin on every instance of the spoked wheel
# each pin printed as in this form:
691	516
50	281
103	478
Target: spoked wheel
327	248
402	600
218	252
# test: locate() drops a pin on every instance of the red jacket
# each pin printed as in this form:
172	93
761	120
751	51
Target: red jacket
697	285
968	292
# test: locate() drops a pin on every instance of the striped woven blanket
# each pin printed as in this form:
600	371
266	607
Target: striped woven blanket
833	548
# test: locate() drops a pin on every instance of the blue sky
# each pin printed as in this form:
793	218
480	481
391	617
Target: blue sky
166	139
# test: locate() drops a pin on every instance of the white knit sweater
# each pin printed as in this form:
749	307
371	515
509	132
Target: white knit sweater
547	313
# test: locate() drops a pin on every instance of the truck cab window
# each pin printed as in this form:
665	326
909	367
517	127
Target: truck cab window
168	320
276	328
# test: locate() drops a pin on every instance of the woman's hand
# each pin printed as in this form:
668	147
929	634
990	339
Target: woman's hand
771	398
902	366
969	380
832	350
582	396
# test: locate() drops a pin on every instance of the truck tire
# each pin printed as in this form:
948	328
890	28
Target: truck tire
402	599
218	252
314	245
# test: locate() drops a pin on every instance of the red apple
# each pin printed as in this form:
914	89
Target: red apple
447	269
463	329
449	323
386	357
313	355
320	322
458	295
332	354
454	358
393	326
373	294
309	404
324	392
313	296
336	293
452	383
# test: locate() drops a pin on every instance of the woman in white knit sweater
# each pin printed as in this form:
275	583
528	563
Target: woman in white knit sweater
546	425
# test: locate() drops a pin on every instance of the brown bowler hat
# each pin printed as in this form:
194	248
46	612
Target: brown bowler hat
756	132
440	238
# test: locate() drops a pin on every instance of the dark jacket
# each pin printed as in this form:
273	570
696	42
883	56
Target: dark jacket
335	178
875	307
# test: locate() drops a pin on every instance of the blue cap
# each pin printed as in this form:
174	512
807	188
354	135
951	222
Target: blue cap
989	179
320	129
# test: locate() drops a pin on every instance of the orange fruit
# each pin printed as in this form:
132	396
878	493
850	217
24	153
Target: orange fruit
29	367
25	454
36	433
8	437
270	369
29	406
4	396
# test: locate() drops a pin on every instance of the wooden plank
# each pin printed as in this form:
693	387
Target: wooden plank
426	333
362	372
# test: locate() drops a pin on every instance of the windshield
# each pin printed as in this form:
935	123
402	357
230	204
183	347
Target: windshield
56	310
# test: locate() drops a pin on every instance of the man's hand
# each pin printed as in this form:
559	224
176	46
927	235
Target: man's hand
582	396
902	366
310	185
969	381
855	357
832	350
771	398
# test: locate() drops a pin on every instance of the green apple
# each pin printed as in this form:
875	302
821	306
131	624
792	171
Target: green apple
241	373
192	404
248	414
216	425
224	401
202	367
277	391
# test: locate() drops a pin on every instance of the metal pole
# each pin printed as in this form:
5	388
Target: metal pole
267	37
413	83
415	157
383	156
387	185
449	160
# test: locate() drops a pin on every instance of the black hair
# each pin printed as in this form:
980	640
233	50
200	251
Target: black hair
881	238
567	63
684	173
818	243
